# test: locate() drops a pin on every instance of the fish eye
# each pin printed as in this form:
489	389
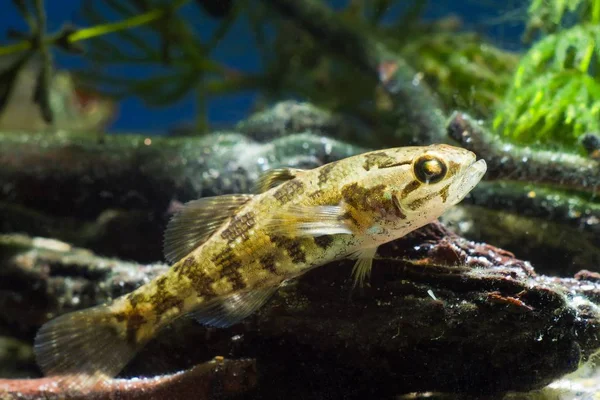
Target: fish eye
429	169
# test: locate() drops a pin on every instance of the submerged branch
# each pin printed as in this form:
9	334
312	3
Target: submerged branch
418	117
539	202
115	197
216	379
525	164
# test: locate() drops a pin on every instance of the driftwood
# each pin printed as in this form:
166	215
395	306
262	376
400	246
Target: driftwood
219	379
115	197
441	313
417	116
525	164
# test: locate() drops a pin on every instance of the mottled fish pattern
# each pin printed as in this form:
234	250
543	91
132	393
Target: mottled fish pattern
230	253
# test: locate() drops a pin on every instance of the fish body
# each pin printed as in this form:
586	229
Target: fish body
230	253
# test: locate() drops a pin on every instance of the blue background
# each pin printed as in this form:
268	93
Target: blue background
503	24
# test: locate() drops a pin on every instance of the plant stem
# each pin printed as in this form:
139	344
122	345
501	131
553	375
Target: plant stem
42	95
99	30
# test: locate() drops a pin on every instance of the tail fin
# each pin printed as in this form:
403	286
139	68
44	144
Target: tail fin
85	347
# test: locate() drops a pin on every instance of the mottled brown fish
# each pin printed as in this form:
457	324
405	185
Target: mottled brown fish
231	252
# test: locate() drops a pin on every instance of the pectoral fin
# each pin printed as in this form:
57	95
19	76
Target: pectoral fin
226	311
275	177
311	221
362	267
197	221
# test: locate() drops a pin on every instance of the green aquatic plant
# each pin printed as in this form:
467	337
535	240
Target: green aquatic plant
466	71
550	96
549	16
554	98
38	43
463	68
294	63
176	60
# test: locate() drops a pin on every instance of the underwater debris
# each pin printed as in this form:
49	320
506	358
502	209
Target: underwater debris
536	202
125	187
55	277
16	358
558	243
290	117
543	203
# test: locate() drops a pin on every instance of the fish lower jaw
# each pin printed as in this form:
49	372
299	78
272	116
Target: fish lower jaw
467	181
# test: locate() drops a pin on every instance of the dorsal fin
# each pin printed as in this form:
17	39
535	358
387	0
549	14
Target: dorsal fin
197	221
275	177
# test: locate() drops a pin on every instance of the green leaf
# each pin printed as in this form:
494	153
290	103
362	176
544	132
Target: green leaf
555	95
548	16
554	109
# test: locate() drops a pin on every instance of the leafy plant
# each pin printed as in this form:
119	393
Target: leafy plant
161	40
38	43
555	95
549	16
465	71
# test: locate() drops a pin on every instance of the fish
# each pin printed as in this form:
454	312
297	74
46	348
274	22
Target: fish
230	253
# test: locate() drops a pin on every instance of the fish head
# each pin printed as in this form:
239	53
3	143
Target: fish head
439	177
424	182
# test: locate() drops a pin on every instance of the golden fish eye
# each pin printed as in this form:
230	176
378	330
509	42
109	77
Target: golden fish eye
429	169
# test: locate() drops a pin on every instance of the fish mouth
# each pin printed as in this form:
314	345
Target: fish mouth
466	181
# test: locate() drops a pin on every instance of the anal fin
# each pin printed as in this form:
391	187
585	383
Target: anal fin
226	311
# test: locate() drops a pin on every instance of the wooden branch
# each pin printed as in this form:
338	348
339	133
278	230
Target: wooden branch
416	111
216	379
525	164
